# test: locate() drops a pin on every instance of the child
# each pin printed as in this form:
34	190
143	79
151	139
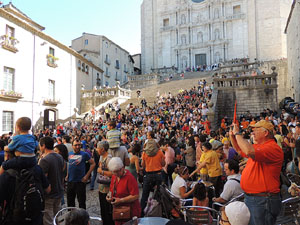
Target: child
151	147
113	136
23	144
200	195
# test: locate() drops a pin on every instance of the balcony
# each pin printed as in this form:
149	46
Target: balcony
9	43
10	96
51	102
51	60
107	61
126	70
117	66
107	74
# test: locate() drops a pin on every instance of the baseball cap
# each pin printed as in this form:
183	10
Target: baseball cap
265	124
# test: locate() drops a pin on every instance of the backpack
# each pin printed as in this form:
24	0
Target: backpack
27	202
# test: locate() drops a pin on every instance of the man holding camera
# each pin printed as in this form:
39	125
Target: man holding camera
261	176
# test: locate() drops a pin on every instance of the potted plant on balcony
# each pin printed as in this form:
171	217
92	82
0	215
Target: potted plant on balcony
51	59
9	43
10	95
51	102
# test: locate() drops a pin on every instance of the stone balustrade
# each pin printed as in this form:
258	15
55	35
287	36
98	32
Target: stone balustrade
258	81
93	98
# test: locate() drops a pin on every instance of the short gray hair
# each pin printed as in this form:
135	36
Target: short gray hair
115	164
103	144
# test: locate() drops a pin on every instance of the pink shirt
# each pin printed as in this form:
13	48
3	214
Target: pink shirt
169	157
198	152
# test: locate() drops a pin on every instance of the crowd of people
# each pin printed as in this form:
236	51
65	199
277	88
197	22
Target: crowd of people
170	142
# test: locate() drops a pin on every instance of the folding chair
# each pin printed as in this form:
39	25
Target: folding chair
290	211
182	201
200	215
59	218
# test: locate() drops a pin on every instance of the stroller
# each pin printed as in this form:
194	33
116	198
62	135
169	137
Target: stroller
163	205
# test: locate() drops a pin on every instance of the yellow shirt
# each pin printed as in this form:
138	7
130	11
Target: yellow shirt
212	164
203	170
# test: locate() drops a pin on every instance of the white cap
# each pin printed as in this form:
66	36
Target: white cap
237	213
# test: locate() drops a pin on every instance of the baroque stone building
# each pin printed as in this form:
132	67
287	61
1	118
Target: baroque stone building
190	33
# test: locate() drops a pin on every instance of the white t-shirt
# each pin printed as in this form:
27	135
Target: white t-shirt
178	183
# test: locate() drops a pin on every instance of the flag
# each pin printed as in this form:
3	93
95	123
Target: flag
234	114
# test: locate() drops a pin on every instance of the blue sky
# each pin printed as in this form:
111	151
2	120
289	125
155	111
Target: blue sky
64	20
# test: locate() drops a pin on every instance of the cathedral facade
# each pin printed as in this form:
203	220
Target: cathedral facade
191	33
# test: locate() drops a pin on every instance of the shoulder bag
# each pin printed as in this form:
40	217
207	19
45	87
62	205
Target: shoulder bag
101	179
120	212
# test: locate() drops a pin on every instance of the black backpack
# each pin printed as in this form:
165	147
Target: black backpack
27	202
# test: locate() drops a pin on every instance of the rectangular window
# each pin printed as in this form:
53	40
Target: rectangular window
86	42
51	89
117	64
10	31
51	51
8	79
166	22
236	9
7	121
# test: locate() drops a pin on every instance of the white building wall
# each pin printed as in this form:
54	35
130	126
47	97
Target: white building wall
32	75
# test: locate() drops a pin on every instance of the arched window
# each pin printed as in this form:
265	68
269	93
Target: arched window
183	39
217	34
183	19
200	37
83	67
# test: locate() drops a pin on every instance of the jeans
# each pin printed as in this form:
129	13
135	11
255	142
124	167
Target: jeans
263	210
150	181
93	178
52	206
76	189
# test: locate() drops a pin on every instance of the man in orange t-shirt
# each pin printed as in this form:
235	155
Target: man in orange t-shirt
244	123
153	166
261	176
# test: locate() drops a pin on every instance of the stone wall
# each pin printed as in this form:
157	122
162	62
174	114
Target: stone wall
141	81
282	78
253	93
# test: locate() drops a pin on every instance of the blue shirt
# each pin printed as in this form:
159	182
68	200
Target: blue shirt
77	166
25	143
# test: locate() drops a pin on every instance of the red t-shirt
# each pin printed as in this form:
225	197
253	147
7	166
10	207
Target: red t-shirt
125	187
263	173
